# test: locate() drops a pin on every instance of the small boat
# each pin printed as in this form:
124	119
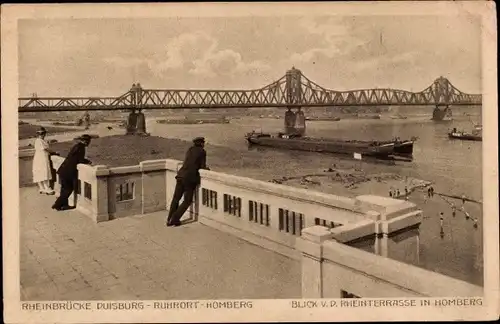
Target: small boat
377	149
398	117
476	134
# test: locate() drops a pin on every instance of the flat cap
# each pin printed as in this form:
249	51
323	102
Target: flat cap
85	137
42	130
199	140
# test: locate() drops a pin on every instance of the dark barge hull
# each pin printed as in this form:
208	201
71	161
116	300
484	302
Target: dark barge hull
403	148
465	137
323	119
384	150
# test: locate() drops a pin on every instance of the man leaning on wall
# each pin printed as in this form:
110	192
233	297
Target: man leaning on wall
188	178
68	172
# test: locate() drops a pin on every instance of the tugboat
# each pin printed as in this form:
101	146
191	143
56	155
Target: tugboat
377	149
476	134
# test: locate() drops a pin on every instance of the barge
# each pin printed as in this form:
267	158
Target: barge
385	149
188	121
322	118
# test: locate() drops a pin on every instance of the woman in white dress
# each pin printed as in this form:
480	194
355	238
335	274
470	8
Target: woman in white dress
42	172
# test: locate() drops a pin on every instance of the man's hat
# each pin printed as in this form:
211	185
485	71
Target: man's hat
84	137
199	140
42	130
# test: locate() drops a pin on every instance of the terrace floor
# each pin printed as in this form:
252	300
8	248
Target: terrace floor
66	256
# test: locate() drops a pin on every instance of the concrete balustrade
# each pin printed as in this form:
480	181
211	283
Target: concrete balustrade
267	214
56	163
154	186
331	269
26	153
263	212
280	218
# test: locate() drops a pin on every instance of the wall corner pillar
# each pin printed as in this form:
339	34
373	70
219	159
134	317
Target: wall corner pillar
154	186
100	192
310	244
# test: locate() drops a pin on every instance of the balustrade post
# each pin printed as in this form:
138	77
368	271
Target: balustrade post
154	186
382	245
100	194
171	168
73	198
55	164
194	209
57	185
311	245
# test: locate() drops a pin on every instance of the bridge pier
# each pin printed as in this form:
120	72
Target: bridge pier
132	123
290	118
141	124
441	112
136	124
300	122
295	122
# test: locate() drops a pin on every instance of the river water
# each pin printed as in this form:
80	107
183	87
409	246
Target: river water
454	167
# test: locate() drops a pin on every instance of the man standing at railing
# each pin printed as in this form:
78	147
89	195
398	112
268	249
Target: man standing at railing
188	178
68	172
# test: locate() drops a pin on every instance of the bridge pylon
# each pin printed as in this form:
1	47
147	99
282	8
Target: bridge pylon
295	122
442	91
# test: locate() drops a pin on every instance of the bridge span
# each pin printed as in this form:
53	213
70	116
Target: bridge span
293	90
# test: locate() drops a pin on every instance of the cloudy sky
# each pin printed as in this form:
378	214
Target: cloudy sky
103	57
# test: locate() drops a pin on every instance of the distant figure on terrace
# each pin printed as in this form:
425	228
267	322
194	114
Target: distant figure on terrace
42	171
68	172
188	178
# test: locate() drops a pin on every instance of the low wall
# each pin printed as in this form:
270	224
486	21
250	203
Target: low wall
264	213
26	167
331	269
273	215
105	193
280	218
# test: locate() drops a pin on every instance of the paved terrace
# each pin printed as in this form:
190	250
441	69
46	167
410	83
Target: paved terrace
65	256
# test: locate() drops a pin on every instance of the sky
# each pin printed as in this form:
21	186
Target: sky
104	57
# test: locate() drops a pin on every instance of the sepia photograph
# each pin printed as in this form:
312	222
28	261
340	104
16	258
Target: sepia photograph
211	157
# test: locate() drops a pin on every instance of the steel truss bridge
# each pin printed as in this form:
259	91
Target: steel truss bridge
294	89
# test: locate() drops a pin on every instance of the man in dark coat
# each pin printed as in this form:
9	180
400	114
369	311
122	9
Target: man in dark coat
188	178
68	172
